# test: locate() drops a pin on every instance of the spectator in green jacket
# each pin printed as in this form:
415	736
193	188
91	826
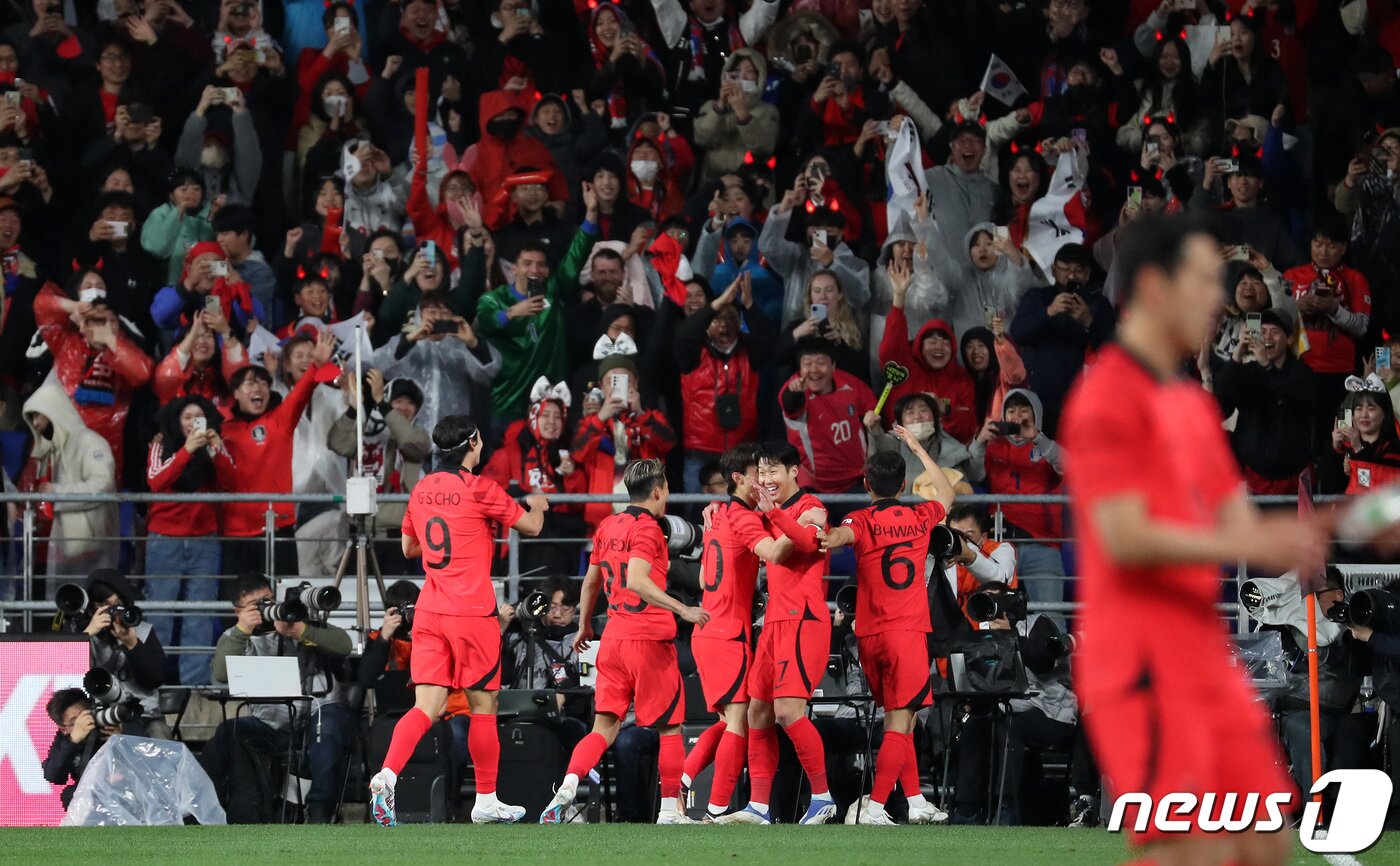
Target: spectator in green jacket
179	224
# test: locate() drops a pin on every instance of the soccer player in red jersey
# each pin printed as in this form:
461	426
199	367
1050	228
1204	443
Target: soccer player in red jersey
892	617
637	656
456	636
723	647
793	647
1160	505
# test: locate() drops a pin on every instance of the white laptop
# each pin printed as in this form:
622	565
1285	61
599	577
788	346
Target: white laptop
263	677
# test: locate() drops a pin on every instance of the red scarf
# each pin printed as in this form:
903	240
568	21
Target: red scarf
838	124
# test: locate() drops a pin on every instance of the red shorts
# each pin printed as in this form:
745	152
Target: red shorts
1160	722
790	660
896	667
457	652
723	665
642	674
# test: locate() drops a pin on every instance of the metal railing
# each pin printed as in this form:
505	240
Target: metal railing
32	608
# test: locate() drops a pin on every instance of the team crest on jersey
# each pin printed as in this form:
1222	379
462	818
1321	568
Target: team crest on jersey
1363	476
1036	456
259	433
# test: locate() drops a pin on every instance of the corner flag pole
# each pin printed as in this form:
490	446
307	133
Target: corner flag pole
1308	584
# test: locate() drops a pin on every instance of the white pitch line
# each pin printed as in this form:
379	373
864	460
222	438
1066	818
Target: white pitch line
1341	860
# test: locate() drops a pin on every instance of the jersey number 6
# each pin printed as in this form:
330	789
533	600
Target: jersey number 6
889	563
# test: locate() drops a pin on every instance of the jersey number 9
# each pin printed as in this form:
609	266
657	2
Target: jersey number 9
440	543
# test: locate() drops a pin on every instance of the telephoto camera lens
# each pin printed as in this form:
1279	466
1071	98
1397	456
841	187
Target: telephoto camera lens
405	631
533	607
991	603
318	600
1377	609
71	599
289	610
116	714
128	615
945	542
683	538
846	600
101	686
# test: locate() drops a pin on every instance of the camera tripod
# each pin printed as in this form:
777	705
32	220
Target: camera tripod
361	546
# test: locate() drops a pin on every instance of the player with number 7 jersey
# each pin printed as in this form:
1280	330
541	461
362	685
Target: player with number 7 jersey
450	521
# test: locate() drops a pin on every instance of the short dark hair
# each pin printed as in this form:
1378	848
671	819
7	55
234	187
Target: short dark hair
884	473
1333	228
117	198
453	437
246	584
400	593
242	373
380	233
532	246
736	460
642	477
779	452
814	346
848	46
236	218
965	511
1155	242
61	700
328	17
1074	254
560	583
608	253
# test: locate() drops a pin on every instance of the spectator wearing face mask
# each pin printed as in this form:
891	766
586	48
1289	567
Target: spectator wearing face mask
650	183
395	448
199	146
1273	392
95	360
426	274
182	551
1057	326
737	122
445	355
179	224
931	359
201	363
67	457
919	413
259	437
618	217
504	150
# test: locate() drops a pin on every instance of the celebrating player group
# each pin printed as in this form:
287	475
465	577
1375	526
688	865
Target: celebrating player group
1158	505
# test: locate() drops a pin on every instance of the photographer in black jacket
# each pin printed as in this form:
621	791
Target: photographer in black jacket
76	741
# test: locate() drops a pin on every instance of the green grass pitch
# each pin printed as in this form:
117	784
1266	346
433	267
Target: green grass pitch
611	844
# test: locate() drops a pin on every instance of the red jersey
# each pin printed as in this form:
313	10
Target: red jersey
1332	350
827	430
633	533
1125	432
451	514
729	570
797	587
891	547
1019	468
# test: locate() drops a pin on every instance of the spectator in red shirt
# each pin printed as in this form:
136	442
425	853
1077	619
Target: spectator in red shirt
622	426
182	550
1025	462
823	408
1334	303
94	357
931	361
1370	444
341	55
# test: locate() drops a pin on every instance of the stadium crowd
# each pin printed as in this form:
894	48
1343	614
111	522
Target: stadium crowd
657	229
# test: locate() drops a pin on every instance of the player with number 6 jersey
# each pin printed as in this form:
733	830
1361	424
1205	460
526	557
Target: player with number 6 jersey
735	542
456	639
891	542
637	665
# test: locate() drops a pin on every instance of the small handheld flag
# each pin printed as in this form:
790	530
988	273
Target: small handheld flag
1000	82
894	375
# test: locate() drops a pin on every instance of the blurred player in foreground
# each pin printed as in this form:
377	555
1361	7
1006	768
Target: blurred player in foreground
1160	506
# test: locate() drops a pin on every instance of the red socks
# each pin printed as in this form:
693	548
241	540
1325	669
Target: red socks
810	752
729	762
485	746
889	764
587	754
763	763
704	751
909	773
410	729
669	762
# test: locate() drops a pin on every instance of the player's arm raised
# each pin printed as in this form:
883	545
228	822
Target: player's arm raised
588	595
532	521
639	581
942	491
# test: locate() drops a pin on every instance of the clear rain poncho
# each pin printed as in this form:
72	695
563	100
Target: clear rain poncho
139	782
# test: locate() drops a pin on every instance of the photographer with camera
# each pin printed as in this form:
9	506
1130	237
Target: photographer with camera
1047	719
78	738
266	627
977	559
128	662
